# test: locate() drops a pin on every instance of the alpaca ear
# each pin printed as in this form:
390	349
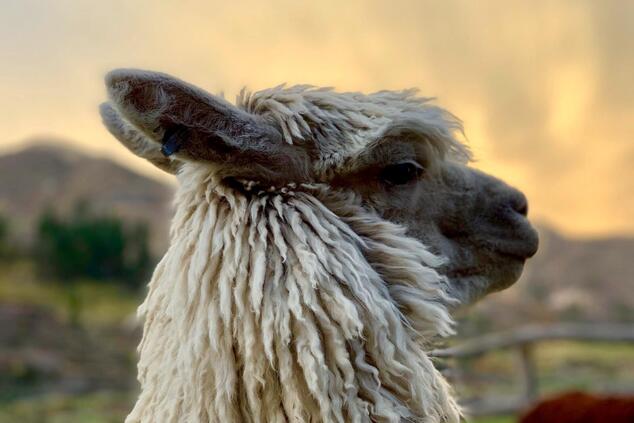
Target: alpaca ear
168	121
136	141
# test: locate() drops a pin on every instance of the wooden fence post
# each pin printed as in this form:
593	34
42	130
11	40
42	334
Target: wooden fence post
529	372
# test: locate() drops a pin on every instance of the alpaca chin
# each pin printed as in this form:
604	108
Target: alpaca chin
289	305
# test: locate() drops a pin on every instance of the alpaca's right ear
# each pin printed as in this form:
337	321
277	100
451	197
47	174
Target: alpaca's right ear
168	121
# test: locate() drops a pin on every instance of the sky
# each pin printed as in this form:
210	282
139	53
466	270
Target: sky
545	88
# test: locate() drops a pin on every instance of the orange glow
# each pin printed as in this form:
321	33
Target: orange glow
545	89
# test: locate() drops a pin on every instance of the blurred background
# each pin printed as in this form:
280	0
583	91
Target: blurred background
546	94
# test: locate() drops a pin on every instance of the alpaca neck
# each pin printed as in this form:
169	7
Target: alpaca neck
267	308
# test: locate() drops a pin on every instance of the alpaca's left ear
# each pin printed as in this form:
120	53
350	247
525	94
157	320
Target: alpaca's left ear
135	141
168	121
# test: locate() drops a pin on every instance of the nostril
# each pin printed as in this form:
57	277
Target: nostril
519	203
523	209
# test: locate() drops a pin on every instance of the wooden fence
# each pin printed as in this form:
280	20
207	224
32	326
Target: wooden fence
523	340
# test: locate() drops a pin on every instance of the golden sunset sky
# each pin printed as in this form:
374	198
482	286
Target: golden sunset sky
545	88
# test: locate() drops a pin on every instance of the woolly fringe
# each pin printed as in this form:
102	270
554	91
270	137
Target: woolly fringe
342	124
291	305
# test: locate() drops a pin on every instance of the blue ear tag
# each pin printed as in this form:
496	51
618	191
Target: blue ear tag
173	140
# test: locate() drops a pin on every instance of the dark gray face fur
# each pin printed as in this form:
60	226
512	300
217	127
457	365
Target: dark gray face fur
473	219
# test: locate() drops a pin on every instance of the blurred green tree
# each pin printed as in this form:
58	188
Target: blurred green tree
89	246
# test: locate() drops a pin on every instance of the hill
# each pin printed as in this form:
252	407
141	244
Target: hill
47	176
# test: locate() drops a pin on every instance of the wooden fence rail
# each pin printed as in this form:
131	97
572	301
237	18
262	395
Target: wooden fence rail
523	341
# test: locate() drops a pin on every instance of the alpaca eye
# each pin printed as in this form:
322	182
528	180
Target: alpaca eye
401	173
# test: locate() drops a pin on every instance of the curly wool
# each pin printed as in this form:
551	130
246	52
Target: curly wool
342	124
291	304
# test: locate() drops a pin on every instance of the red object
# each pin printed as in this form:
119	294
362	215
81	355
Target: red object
579	407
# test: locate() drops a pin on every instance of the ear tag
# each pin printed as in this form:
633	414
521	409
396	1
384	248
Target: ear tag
173	140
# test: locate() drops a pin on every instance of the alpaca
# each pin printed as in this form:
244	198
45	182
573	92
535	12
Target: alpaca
581	407
319	243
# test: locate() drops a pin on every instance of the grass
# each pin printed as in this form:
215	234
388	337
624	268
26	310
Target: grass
104	304
105	407
502	419
586	366
562	365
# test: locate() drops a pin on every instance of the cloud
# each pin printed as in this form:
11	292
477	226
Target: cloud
544	88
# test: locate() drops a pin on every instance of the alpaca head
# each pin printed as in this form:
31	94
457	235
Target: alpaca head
318	240
394	151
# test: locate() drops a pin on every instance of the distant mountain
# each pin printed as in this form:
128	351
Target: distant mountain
46	175
568	279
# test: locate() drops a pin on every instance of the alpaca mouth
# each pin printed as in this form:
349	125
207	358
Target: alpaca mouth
506	273
472	282
523	247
